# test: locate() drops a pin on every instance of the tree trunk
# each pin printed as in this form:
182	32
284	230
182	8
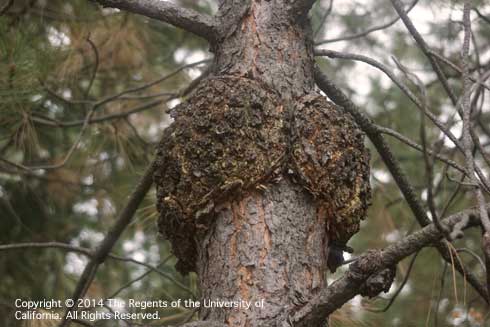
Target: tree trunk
268	246
259	173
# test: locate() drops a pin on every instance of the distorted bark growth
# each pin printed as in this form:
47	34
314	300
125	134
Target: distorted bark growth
330	159
233	135
226	138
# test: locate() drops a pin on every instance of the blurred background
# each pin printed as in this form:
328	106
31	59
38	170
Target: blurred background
84	95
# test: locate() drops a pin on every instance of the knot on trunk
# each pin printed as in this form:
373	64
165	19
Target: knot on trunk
234	134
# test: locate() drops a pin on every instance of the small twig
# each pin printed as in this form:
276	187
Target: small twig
89	253
474	255
467	140
43	120
73	147
367	31
147	85
456	67
400	288
461	182
111	238
137	279
414	145
439	298
429	161
424	47
323	19
482	16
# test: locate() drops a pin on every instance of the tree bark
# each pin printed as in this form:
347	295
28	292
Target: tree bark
267	42
259	173
267	246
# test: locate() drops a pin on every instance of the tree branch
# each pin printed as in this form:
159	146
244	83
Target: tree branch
367	31
393	166
418	147
346	287
418	103
467	140
425	48
89	253
111	238
165	11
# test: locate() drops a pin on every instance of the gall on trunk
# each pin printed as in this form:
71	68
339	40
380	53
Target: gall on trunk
234	136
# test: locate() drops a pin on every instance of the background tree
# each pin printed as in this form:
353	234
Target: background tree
84	99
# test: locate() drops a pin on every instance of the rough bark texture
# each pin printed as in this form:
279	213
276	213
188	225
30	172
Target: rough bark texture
226	138
259	173
269	245
264	41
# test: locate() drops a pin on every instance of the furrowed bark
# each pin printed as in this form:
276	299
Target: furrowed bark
268	246
261	40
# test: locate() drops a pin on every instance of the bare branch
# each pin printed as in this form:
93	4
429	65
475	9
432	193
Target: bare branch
187	19
111	238
324	18
367	31
334	93
467	140
89	253
418	147
424	47
346	287
410	95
